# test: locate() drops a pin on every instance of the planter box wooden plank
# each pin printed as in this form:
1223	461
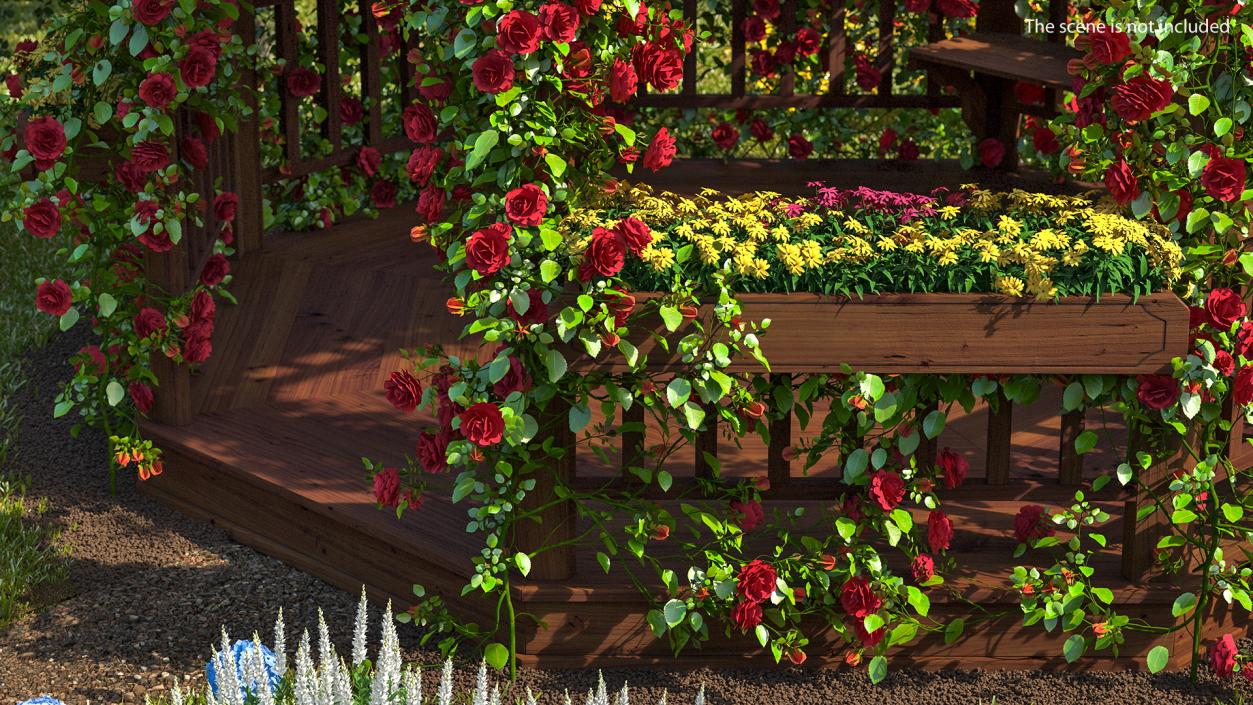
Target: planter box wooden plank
950	333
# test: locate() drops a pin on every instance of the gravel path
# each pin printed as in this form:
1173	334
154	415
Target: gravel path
150	589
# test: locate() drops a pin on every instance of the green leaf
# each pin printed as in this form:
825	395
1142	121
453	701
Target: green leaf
1074	648
1072	398
102	111
1233	512
694	415
872	623
903	519
933	425
496	655
1085	442
855	465
919	601
1157	658
1197	104
1222	126
556	164
139	40
878	669
1103	594
556	364
1124	473
953	630
580	417
117	31
1183	604
672	317
108	305
523	561
483	145
463	487
1196	163
115	392
678	392
549	270
68	319
675	612
101	72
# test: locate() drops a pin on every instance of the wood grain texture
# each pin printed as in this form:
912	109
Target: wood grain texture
1003	55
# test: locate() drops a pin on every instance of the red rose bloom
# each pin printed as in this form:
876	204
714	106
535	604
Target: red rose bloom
808	41
1121	183
193	151
157	242
198	67
1222	657
622	81
387	488
515	380
760	130
487	250
560	22
887	489
202	307
351	111
660	151
798	147
14	84
866	75
857	599
1029	524
149	156
54	297
957	8
991	152
749	514
423	162
953	466
224	206
431	203
621	306
303	82
526	205
1223	178
769	9
1045	141
369	159
1224	362
1140	97
923	568
1242	386
383	194
197	349
432	451
151	12
420	123
746	615
659	66
604	256
636	234
756	581
1157	392
493	72
517	32
754	28
1224	307
867	639
725	136
148	321
482	424
939	531
141	395
908	150
42	218
404	391
1104	45
158	90
130	176
215	270
44	138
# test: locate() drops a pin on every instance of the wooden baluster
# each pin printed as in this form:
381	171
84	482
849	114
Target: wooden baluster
556	523
289	105
707	442
371	76
787	83
632	441
886	57
168	273
408	76
1140	536
927	447
689	61
779	468
837	49
935	33
1069	462
328	54
739	66
246	151
1000	437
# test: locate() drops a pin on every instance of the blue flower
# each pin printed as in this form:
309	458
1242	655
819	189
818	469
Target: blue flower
42	700
239	648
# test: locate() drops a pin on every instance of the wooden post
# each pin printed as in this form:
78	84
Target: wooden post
1000	437
707	442
739	61
246	153
167	273
1140	537
632	441
837	47
555	524
1069	462
778	468
999	120
289	118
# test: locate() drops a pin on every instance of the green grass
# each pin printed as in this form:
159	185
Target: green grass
31	556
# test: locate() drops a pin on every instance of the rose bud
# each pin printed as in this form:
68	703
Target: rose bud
456	306
689	312
417	233
661	532
610	339
754	409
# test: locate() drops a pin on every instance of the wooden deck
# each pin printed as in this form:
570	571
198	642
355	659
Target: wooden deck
293	398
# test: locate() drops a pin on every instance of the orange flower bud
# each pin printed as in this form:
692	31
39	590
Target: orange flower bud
610	339
661	532
796	656
852	657
754	409
417	234
689	312
827	562
456	306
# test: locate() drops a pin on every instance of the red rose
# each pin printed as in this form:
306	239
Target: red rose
636	234
225	205
1045	141
768	9
939	531
588	7
725	136
482	424
193	151
148	321
493	72
14	84
621	306
1223	178
622	81
383	194
560	22
760	130
42	218
748	514
303	82
210	41
1104	45
487	250
403	391
54	297
1140	97
215	270
798	147
150	12
45	140
422	163
1028	524
158	90
1121	183
203	309
141	395
1224	362
808	41
351	111
369	159
387	488
526	205
420	123
130	176
1224	307
991	152
432	451
515	380
887	489
1242	387
754	29
756	581
1222	657
149	156
908	150
660	151
604	256
923	568
197	349
957	8
857	599
867	76
953	466
1029	93
537	312
1157	391
746	615
198	67
95	358
660	66
157	242
431	203
867	639
517	32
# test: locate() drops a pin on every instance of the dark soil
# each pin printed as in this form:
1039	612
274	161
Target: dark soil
150	590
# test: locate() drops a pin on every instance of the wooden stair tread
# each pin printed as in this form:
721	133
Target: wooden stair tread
1004	55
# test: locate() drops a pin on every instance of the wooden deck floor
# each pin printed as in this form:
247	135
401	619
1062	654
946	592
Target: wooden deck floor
293	398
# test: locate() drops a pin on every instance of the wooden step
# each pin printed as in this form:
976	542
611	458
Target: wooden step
1004	55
